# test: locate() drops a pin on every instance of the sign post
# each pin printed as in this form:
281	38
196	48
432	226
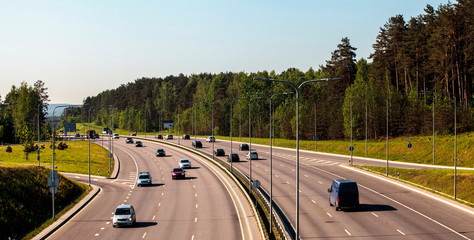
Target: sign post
53	182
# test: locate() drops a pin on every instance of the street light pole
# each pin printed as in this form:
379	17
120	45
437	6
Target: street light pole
296	89
455	150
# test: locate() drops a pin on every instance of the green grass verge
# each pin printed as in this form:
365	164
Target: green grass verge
74	159
25	200
439	181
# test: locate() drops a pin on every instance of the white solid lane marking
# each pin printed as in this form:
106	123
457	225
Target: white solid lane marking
401	232
348	233
329	214
375	215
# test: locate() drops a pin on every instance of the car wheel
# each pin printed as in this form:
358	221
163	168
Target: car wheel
330	204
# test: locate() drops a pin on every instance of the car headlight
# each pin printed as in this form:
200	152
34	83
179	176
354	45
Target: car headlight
130	219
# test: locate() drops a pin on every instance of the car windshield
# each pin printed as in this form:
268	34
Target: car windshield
184	160
122	211
177	170
160	150
144	176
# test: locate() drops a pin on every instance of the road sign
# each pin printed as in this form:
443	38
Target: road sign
53	190
53	179
256	184
351	148
410	145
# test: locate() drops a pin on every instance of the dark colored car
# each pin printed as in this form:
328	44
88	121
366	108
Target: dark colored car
159	136
178	173
129	140
133	134
243	147
186	137
219	152
344	194
196	144
233	157
138	144
96	135
160	152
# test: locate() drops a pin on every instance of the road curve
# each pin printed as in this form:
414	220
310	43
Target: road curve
205	205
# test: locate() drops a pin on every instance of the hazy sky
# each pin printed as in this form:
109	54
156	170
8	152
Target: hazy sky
81	48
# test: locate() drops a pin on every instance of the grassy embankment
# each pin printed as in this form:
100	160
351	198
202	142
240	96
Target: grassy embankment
25	200
439	181
74	159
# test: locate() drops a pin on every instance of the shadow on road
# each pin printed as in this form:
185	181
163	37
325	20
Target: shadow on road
372	208
144	224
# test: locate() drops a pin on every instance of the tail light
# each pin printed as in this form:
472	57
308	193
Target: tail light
337	200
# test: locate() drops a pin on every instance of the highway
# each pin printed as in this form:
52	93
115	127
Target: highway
205	205
388	209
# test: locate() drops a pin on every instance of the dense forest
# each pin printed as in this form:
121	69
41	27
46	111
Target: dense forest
421	69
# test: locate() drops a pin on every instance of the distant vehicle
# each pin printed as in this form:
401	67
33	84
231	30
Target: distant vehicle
169	137
252	155
196	144
159	136
124	215
77	135
219	152
144	178
106	131
344	194
138	144
96	135
91	134
133	134
116	136
184	163
129	140
210	139
233	157
178	173
160	152
243	147
185	137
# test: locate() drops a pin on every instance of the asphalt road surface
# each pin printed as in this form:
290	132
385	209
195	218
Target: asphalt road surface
197	207
389	209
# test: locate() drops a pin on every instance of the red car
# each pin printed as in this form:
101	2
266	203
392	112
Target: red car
178	173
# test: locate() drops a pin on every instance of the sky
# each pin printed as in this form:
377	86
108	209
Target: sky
81	48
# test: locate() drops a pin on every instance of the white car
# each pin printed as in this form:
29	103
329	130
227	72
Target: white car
169	137
252	155
210	139
124	215
184	163
144	178
116	136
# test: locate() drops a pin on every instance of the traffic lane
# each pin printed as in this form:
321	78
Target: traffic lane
96	217
205	188
440	229
163	202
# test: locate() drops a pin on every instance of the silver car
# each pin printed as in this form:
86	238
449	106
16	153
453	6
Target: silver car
184	163
124	215
252	155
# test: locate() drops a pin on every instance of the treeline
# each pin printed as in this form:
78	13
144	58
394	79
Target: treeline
23	113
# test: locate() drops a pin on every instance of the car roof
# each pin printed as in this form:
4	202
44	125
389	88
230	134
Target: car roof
344	181
185	159
124	206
